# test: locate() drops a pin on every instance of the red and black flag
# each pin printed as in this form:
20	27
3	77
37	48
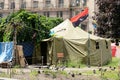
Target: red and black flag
77	19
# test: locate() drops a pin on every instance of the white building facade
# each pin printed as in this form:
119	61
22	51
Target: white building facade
50	8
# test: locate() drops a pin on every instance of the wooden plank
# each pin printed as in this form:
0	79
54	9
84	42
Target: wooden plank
22	59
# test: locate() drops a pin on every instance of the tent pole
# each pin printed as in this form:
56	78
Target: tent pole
88	56
101	57
101	62
54	53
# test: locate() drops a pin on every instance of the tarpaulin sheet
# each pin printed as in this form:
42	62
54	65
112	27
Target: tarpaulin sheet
6	50
27	48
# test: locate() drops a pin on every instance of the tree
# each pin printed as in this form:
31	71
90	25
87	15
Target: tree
108	18
30	26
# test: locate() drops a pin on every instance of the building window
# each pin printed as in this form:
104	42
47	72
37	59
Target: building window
57	14
1	15
61	3
23	4
84	2
47	3
72	3
12	5
77	2
60	14
1	5
47	13
35	4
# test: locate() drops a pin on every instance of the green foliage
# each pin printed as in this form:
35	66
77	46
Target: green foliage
75	65
30	26
34	73
108	18
111	75
115	62
63	73
3	74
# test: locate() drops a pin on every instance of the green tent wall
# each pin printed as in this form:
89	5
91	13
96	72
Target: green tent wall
77	45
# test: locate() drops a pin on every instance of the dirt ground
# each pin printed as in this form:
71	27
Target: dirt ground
37	74
57	77
33	73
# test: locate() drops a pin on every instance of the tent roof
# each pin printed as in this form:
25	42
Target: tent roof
68	31
78	33
62	28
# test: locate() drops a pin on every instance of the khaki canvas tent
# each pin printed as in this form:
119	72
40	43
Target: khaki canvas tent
76	46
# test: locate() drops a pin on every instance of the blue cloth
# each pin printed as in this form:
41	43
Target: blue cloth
94	23
28	48
6	51
94	26
51	33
